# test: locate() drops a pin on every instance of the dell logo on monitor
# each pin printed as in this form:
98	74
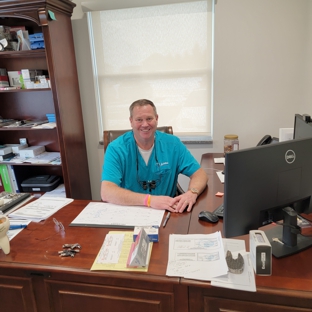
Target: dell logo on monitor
290	156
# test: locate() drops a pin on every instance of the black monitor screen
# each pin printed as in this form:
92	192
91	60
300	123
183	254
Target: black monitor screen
302	126
262	181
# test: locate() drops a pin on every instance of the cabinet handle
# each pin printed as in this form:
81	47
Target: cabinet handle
38	274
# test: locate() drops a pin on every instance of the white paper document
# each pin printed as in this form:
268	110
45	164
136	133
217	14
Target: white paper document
109	215
43	158
40	209
244	281
57	192
220	160
220	175
196	256
111	249
12	233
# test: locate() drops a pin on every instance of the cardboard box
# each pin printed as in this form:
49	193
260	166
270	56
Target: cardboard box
151	231
31	151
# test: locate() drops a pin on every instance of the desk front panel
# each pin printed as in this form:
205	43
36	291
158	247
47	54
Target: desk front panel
62	281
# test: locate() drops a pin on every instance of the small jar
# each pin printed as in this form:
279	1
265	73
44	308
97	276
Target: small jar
231	143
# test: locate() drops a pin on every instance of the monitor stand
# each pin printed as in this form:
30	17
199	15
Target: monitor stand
286	239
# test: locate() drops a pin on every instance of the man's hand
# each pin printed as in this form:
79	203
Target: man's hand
162	202
184	201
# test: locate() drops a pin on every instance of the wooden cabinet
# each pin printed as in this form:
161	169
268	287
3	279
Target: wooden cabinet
52	18
215	299
16	294
33	290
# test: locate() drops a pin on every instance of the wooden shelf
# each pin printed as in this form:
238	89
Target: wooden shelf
26	90
62	99
23	54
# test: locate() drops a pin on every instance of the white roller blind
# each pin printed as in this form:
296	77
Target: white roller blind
162	53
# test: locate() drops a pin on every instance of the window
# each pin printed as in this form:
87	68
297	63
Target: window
160	52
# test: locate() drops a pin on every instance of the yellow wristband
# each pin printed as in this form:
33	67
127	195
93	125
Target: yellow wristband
149	201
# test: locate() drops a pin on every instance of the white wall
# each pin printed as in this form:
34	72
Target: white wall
263	73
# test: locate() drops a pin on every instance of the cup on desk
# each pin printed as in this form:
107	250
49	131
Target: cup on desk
4	240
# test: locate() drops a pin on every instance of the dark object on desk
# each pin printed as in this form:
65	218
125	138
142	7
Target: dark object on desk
235	266
167	218
11	199
267	139
219	211
302	126
208	216
41	183
283	173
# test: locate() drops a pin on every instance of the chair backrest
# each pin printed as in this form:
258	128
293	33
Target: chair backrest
111	135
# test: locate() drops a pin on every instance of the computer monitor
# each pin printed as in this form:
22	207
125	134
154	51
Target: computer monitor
302	126
266	184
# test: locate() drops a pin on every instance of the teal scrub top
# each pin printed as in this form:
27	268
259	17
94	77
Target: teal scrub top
124	165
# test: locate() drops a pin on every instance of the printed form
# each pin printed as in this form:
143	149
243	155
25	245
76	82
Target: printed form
196	256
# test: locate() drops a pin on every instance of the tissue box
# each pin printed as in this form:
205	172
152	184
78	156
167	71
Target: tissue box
151	231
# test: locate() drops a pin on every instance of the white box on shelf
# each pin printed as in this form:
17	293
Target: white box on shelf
17	147
31	151
5	149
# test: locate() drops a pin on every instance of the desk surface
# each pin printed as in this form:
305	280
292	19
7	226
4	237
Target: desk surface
39	243
36	249
291	273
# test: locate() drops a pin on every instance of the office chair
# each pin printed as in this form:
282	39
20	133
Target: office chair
111	135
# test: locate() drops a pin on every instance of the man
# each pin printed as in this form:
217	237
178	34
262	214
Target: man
142	166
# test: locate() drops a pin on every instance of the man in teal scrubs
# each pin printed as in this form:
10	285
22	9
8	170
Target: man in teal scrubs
142	166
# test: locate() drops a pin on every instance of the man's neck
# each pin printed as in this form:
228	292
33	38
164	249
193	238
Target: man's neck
145	144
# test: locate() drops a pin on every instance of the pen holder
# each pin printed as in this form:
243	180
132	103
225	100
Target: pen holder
4	240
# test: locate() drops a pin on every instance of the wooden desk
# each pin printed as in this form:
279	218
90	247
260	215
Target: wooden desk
34	278
289	288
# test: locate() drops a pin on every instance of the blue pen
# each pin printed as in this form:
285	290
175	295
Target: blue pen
17	226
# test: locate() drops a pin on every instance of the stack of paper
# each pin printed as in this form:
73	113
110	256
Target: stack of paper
98	214
202	257
40	209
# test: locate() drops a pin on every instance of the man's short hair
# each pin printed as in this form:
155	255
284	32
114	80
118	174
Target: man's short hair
142	102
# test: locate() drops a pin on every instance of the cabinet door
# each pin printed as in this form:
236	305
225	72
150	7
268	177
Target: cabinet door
16	294
220	304
89	297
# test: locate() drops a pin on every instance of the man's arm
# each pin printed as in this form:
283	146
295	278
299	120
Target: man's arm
112	193
198	181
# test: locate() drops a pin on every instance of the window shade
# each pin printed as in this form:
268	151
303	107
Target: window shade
162	53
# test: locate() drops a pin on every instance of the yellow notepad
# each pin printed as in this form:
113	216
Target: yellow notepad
112	259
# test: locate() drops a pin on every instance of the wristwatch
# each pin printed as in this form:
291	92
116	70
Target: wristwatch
194	190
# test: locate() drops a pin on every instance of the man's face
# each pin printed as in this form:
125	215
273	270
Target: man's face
144	122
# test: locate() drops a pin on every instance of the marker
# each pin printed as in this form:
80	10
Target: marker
17	226
167	218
